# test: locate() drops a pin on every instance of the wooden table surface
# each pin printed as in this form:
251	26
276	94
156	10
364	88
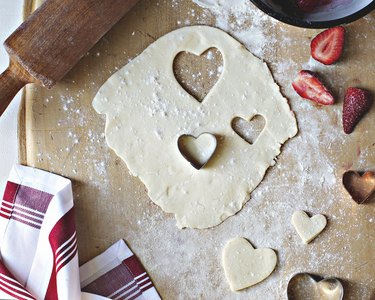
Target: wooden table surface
60	132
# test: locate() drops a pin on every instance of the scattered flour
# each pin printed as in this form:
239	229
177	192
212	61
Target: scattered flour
306	176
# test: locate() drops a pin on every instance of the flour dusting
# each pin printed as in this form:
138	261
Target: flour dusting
186	264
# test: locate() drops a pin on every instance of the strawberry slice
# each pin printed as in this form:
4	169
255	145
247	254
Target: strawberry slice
328	45
357	103
308	86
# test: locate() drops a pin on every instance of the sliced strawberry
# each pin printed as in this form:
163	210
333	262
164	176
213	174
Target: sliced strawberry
328	45
308	86
357	103
307	6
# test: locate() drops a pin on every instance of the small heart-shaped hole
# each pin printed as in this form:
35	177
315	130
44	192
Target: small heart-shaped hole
197	75
249	130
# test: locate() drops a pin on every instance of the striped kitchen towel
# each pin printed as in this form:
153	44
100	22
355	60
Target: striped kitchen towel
117	274
38	247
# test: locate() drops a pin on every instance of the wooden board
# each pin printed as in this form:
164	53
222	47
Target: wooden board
61	133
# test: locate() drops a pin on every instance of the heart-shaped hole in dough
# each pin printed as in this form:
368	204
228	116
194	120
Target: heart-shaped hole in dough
197	75
197	150
249	130
305	286
360	187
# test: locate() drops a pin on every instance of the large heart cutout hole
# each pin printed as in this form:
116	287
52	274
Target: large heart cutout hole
249	130
197	75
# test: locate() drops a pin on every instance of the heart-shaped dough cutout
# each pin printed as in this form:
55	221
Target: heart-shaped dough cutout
249	130
303	286
360	188
198	74
197	151
245	266
308	228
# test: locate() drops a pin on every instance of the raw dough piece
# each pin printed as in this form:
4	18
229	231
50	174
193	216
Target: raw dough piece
308	228
245	266
147	111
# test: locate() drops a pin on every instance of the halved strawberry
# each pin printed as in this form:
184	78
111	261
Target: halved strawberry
328	45
357	103
308	86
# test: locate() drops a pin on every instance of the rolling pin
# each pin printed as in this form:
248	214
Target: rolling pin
53	39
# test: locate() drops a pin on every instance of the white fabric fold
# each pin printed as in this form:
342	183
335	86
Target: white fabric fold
38	247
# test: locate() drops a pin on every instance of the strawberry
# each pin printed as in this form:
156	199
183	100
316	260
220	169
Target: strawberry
328	45
307	6
357	103
308	86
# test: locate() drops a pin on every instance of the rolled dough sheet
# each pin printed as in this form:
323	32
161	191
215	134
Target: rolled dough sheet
147	111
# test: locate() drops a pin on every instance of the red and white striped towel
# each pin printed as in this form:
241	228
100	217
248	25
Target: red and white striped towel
38	247
117	274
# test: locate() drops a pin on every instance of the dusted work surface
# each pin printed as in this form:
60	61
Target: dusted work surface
63	134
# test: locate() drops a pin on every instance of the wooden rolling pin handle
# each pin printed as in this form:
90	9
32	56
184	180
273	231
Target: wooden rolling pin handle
10	83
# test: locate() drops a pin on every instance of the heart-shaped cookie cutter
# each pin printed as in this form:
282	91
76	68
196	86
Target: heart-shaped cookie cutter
360	187
329	288
198	158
